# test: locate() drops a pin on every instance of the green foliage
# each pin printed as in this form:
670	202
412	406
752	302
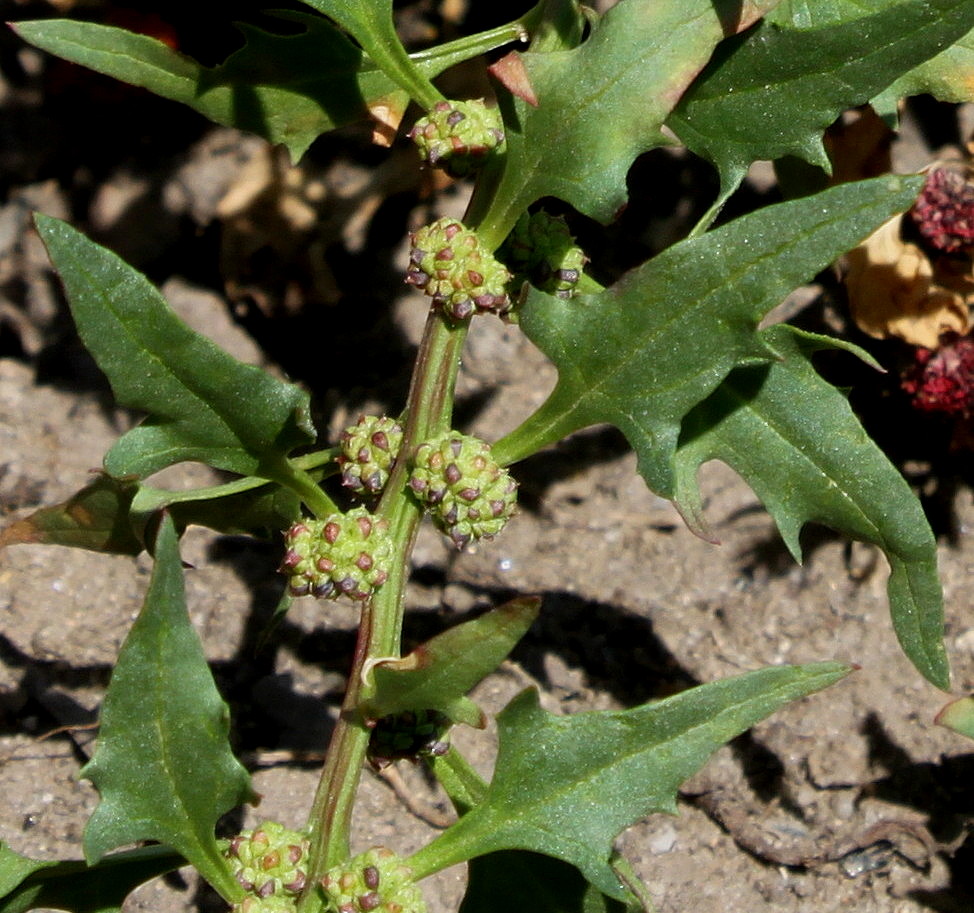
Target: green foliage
621	764
602	104
163	723
671	354
841	479
947	75
438	674
203	404
287	88
29	884
644	352
370	23
774	91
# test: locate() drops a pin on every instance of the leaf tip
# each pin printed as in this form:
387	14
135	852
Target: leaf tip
511	73
523	607
696	522
958	715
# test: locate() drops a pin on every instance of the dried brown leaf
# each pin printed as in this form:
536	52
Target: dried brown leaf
895	290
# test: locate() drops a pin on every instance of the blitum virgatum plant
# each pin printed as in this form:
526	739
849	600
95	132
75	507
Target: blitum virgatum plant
673	354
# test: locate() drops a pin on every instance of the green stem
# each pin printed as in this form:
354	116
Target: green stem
148	499
710	216
461	782
541	429
494	214
306	488
429	410
472	45
392	59
315	459
627	875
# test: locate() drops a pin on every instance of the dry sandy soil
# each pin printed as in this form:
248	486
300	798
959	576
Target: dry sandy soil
850	799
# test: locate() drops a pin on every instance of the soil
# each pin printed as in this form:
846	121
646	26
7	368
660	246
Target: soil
850	799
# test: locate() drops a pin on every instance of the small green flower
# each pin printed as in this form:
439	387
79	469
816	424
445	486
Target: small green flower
447	262
376	881
343	555
369	450
457	136
541	250
268	861
468	495
275	903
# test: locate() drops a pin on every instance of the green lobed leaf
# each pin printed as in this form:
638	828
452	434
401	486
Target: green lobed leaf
773	92
603	103
203	404
287	88
74	886
949	76
371	24
163	766
566	786
795	440
645	351
95	518
438	674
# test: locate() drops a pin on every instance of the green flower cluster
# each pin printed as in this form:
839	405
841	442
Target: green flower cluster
468	495
369	450
343	555
448	263
268	861
541	250
458	135
376	881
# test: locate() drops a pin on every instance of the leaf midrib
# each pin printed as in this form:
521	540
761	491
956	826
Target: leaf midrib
744	91
490	810
646	339
179	418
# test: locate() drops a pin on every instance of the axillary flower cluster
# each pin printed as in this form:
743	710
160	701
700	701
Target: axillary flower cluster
269	863
466	493
349	554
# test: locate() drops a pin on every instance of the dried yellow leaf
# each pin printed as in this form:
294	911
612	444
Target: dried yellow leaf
895	290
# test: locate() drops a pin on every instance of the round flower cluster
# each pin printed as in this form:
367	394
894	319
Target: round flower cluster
458	135
468	494
376	881
343	555
369	450
448	263
541	250
268	861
